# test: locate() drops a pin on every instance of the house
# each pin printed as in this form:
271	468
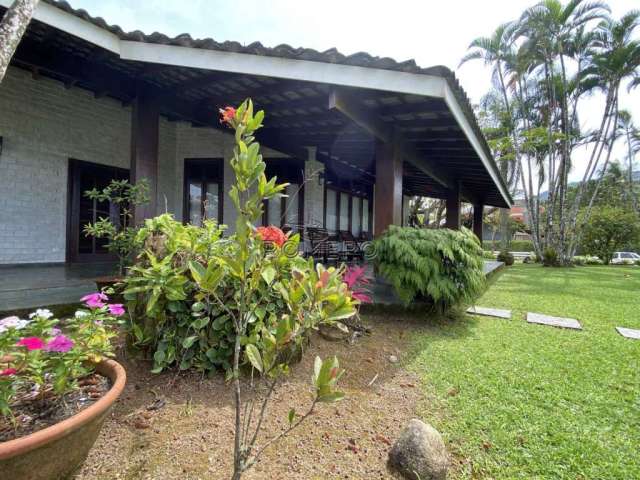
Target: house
85	102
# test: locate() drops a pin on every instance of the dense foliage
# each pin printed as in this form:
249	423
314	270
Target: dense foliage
183	326
43	358
546	66
119	229
514	245
443	267
506	257
609	230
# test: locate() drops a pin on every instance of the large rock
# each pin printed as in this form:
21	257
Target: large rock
419	453
334	333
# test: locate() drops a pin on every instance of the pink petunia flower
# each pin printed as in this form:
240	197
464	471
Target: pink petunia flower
32	343
95	300
60	344
116	309
7	372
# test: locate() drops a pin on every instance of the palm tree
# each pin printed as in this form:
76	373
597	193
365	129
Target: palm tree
13	25
631	135
497	51
616	61
554	32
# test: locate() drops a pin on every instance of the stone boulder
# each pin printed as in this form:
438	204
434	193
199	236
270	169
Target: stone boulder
337	332
419	453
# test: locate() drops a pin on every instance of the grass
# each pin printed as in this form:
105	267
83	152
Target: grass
516	400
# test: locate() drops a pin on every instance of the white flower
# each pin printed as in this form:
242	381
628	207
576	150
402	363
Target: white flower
81	314
41	313
12	322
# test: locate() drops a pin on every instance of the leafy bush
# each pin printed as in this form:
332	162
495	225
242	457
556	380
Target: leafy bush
608	230
580	260
441	266
488	255
40	355
550	257
514	245
506	258
120	232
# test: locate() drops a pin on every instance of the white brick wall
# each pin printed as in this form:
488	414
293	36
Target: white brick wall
43	125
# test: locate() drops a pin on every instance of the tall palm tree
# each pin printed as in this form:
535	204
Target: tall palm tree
631	135
497	51
616	61
550	29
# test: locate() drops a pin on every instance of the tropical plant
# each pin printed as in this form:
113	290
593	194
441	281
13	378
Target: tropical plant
506	257
550	257
544	65
442	267
608	230
119	229
42	359
201	301
14	23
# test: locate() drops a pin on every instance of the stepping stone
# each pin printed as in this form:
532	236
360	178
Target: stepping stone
489	312
629	333
553	321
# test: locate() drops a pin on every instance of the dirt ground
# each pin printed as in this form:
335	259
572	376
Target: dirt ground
191	435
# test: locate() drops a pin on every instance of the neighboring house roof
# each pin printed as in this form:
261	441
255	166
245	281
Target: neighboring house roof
125	44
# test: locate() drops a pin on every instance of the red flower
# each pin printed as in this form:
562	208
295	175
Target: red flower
7	372
272	234
32	343
228	114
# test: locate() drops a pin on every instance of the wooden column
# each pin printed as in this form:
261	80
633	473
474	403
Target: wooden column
453	208
145	116
388	191
478	210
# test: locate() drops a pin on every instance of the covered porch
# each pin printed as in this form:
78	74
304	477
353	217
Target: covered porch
355	136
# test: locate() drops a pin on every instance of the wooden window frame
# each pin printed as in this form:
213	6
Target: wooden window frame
215	175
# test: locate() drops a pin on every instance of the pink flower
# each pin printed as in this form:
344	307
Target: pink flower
60	344
361	297
116	309
228	115
32	343
95	300
7	372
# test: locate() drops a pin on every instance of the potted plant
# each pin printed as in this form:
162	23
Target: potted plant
57	386
119	228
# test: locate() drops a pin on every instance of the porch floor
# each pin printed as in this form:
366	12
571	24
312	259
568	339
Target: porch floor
26	287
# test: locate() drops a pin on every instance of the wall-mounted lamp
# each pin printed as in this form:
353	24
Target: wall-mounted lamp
1	145
320	174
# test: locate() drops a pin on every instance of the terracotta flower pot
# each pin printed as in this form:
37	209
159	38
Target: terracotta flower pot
56	452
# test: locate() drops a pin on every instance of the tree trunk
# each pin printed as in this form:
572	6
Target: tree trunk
13	26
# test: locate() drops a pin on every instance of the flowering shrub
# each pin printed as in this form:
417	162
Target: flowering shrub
202	301
42	356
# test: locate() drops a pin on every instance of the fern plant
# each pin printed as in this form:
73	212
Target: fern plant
442	267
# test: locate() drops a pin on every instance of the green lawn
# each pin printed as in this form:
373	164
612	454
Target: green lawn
515	400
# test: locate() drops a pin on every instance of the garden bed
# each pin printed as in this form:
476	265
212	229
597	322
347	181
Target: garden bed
32	415
182	427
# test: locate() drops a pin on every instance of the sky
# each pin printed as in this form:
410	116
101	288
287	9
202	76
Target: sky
433	32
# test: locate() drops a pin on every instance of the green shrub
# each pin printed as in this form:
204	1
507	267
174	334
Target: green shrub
550	257
488	255
580	260
441	266
505	257
514	245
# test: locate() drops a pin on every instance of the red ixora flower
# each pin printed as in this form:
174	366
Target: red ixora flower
272	234
32	343
227	114
8	372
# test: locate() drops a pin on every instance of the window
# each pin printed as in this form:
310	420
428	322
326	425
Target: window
346	211
356	216
331	220
203	190
365	215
